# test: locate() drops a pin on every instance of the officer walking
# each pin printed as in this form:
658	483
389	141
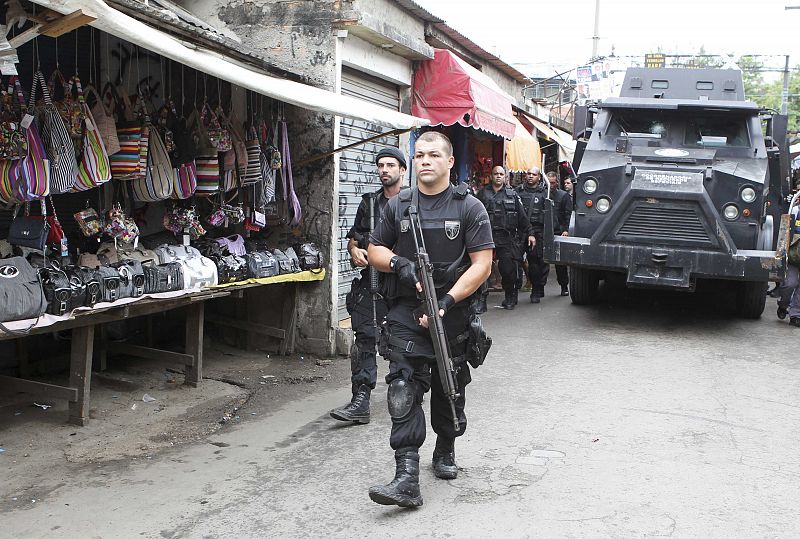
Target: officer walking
533	192
509	221
562	206
391	168
458	237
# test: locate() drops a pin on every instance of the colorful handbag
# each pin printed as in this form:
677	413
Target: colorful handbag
56	139
94	168
185	180
13	144
89	222
103	120
207	175
29	177
218	136
158	181
68	108
130	162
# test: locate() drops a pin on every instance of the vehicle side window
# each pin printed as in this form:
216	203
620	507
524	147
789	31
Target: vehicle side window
716	132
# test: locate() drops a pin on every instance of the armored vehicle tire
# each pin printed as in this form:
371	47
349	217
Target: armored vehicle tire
583	284
751	298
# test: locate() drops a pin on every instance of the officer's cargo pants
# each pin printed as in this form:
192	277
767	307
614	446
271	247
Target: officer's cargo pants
363	365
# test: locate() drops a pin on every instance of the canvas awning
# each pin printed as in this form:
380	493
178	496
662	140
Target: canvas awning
566	146
118	24
449	91
522	151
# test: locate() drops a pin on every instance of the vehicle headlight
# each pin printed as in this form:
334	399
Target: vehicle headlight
602	205
730	212
748	194
589	186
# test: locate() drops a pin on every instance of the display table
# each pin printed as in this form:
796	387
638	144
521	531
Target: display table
83	322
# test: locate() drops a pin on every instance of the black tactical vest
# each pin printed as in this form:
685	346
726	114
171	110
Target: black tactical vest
444	233
533	202
365	224
502	208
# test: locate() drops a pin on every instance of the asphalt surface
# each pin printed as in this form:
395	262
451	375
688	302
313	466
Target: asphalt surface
645	415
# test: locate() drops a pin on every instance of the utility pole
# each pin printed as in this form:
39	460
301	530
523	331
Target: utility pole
596	36
785	92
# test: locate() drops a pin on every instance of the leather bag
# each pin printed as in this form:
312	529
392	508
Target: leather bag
231	268
58	290
89	281
198	272
311	258
261	264
284	264
163	278
29	231
21	295
131	278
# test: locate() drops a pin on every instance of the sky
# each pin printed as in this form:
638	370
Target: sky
539	36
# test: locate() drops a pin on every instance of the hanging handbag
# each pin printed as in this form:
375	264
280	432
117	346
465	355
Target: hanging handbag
230	175
56	238
207	175
29	177
29	231
21	295
130	162
261	264
163	278
68	108
218	136
250	171
56	139
158	181
89	221
103	121
94	167
13	144
185	180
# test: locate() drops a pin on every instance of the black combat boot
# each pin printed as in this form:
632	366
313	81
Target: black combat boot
564	290
404	488
444	458
535	297
357	410
514	296
509	302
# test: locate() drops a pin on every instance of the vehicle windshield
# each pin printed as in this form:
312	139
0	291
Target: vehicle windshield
697	129
716	132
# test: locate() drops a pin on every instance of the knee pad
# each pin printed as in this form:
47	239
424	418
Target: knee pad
402	395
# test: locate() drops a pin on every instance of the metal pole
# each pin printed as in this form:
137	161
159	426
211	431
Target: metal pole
785	92
596	36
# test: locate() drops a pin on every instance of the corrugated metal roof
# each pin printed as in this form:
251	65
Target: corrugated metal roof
419	11
480	52
182	24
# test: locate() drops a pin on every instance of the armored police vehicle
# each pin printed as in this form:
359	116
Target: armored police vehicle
673	182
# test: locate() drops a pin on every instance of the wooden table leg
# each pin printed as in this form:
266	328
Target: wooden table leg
194	342
80	375
289	320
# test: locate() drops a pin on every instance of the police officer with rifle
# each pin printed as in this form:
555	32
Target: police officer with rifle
533	193
364	303
435	244
509	222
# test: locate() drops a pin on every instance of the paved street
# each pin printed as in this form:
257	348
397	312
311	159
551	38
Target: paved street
652	415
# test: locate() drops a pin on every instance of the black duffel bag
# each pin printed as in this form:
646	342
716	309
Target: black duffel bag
230	268
58	290
311	258
163	278
131	278
85	285
21	295
261	264
284	264
109	280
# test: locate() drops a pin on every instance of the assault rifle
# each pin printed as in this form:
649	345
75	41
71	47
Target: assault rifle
444	361
373	273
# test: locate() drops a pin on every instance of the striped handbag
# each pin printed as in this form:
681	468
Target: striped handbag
30	176
104	121
207	175
250	171
184	180
157	183
94	168
56	139
130	162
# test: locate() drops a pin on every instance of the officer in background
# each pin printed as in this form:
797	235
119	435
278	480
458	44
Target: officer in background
562	207
533	192
509	222
458	238
391	169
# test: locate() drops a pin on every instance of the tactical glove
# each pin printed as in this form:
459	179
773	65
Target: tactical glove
406	271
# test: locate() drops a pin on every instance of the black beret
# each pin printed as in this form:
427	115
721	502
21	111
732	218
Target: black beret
392	152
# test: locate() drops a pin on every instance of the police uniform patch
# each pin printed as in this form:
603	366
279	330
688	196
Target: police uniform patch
405	224
451	229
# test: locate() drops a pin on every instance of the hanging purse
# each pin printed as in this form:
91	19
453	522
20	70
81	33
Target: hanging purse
68	108
13	144
158	181
28	178
103	120
56	139
207	175
89	222
94	167
218	136
130	162
28	231
56	238
250	171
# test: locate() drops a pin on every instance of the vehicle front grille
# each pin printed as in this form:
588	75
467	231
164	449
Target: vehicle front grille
656	223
